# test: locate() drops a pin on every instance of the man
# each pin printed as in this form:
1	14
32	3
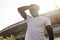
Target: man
36	25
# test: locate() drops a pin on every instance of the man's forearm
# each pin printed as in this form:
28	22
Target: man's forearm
50	32
51	36
22	11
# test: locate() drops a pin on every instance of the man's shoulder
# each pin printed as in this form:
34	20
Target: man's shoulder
43	17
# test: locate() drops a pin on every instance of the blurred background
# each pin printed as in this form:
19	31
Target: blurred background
11	21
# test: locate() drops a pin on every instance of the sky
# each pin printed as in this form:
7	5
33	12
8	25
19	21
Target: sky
10	15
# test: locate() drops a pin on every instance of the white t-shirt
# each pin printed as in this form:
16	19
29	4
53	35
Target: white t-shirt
36	27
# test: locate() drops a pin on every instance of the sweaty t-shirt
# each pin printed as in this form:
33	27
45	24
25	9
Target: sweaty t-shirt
36	27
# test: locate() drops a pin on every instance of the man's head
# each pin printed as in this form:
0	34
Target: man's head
34	10
34	7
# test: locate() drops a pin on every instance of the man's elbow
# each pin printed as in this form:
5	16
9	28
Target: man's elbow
19	9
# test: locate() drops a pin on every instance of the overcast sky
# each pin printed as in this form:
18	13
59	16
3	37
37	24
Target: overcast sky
9	14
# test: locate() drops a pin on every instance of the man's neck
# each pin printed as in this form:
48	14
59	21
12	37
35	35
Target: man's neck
34	13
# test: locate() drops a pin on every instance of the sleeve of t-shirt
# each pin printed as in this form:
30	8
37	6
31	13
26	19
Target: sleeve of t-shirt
48	22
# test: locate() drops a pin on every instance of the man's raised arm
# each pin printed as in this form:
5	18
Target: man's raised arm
21	10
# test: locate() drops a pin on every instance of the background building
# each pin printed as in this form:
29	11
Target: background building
19	29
